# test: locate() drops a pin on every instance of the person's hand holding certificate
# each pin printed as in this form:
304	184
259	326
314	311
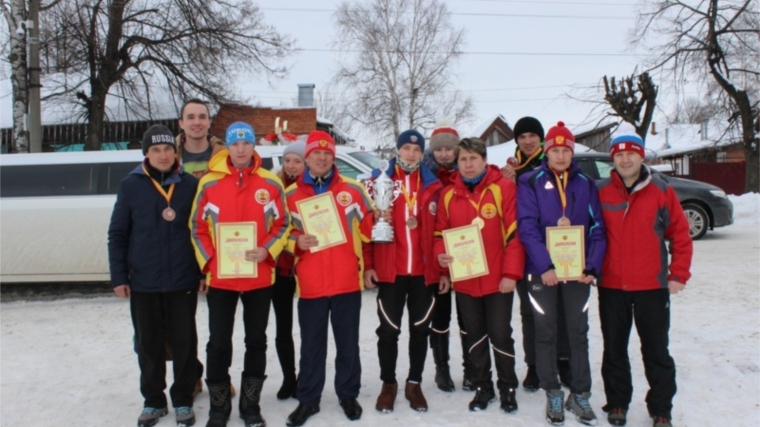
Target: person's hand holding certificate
319	216
465	245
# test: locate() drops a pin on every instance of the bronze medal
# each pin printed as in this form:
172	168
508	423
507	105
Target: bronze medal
411	223
169	214
479	222
563	221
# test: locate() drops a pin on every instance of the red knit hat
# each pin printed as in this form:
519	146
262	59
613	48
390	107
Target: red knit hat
319	140
444	136
559	136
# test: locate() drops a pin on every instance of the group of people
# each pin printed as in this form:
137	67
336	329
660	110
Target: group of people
164	251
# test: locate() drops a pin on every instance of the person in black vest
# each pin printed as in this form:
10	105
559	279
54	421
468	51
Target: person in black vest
152	263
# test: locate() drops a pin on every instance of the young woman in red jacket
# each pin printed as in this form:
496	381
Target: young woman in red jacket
479	194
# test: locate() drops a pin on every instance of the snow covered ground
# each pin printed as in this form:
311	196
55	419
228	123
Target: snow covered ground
70	362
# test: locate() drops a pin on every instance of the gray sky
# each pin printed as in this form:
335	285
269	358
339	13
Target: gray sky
520	57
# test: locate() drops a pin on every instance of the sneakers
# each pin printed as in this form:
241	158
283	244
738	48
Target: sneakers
555	412
387	398
351	408
185	416
508	401
413	394
565	374
530	383
616	417
300	415
149	416
483	396
578	404
661	422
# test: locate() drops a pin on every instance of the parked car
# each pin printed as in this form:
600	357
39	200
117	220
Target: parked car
55	209
706	206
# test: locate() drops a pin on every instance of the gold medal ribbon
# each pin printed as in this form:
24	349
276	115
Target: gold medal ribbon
409	202
167	196
527	162
477	206
561	186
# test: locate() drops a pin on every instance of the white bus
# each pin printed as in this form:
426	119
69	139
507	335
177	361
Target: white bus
55	209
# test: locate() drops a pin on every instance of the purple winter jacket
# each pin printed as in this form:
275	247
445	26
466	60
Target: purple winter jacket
539	206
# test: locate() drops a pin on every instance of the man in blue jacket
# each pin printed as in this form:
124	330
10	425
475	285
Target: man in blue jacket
153	264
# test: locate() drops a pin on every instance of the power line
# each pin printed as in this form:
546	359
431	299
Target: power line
490	53
551	2
486	14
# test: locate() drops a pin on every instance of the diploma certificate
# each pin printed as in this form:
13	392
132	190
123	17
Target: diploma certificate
232	240
319	216
465	244
567	250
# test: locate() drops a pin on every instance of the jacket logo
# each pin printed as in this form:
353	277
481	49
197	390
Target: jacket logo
433	207
488	211
262	196
344	198
549	185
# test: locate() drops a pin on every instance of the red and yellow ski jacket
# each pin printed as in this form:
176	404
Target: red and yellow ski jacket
495	198
338	269
227	194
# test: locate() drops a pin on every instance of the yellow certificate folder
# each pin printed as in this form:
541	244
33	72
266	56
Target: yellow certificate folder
465	244
319	216
232	240
566	247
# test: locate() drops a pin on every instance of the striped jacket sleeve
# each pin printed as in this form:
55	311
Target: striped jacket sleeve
278	219
202	226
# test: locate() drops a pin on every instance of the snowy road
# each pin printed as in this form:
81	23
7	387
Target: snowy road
70	362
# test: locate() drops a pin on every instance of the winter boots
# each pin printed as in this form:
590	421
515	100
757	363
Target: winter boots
439	343
220	405
555	412
531	383
483	396
578	404
466	381
289	386
387	398
413	394
508	400
250	393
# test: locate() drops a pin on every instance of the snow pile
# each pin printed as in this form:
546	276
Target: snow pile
746	208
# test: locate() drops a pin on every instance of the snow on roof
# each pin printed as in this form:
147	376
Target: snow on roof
480	130
684	138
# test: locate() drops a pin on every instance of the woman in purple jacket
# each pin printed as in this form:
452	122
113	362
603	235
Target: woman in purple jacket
558	194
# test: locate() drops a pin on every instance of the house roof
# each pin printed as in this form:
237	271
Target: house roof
484	126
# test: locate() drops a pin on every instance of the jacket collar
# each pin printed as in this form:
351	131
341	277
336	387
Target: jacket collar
220	162
427	176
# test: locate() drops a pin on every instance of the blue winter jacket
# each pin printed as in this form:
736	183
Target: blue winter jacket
144	250
539	206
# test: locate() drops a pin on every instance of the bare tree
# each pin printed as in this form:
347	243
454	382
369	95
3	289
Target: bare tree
711	40
332	104
401	76
693	111
148	52
14	12
629	97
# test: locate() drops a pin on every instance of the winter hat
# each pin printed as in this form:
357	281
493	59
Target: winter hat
411	136
625	138
444	136
297	147
240	131
528	124
157	134
319	140
559	136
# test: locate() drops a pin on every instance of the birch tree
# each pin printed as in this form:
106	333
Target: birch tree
14	12
400	74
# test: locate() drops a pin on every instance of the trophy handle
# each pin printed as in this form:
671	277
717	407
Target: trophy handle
396	190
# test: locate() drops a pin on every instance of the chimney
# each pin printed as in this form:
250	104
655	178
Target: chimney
306	95
653	131
703	130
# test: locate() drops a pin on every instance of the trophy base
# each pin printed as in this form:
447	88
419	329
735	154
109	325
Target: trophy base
382	232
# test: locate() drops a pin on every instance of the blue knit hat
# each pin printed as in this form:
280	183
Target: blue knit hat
411	136
240	131
625	138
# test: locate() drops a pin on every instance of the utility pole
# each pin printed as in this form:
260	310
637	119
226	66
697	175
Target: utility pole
35	114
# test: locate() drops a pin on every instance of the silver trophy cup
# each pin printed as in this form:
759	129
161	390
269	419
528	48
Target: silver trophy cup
384	192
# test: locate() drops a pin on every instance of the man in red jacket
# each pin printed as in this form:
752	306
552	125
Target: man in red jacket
329	281
641	214
403	269
238	189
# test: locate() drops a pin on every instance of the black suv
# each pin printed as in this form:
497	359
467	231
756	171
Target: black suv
705	205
